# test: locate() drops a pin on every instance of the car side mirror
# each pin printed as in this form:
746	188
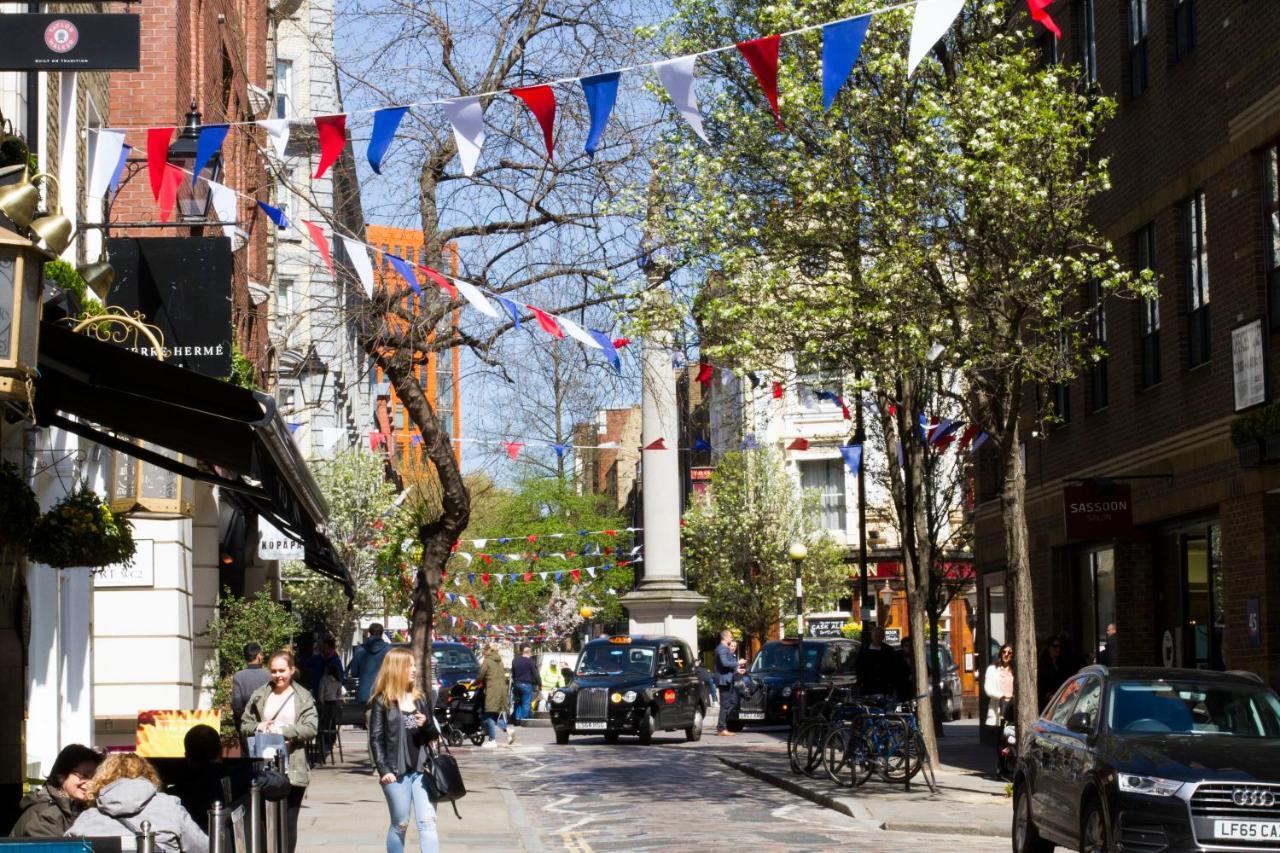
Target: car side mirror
1079	723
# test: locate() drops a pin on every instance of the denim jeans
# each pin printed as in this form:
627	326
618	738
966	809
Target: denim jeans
728	701
524	701
406	792
491	723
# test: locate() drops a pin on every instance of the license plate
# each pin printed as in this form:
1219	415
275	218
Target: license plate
751	715
589	726
1260	829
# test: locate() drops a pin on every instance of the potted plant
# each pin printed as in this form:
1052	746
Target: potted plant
18	508
81	530
1256	435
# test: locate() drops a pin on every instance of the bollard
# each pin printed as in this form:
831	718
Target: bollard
253	820
217	828
146	839
282	812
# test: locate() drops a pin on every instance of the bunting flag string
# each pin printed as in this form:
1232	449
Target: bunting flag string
534	537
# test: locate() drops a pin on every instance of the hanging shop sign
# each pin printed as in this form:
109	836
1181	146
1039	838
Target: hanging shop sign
1248	365
91	42
820	627
183	286
274	545
1097	510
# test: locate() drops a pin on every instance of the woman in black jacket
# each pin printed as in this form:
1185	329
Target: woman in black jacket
400	724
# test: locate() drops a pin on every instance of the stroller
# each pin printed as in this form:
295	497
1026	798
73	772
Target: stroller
460	714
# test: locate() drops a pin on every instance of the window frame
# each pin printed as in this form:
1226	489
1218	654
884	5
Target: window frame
1196	269
1149	308
1089	39
841	508
1139	32
1098	378
1183	21
284	89
1271	224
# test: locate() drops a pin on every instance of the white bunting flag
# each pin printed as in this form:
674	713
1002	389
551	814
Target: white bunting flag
475	297
576	331
278	130
106	156
480	543
677	78
466	558
591	570
933	19
223	200
467	119
359	255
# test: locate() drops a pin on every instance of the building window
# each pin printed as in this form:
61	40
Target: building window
1061	392
1271	177
1184	28
1137	47
814	378
284	88
1098	334
1197	267
285	398
825	477
1088	42
1049	49
444	391
1150	334
284	302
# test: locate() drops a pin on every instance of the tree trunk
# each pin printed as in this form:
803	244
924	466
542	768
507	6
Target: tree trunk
1013	514
935	678
918	557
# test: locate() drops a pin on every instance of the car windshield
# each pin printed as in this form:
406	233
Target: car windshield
1190	707
610	659
781	657
452	660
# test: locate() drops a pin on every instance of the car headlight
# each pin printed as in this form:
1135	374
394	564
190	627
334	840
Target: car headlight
1152	785
557	697
629	696
615	698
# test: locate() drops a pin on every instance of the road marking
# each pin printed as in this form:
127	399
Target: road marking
575	843
565	830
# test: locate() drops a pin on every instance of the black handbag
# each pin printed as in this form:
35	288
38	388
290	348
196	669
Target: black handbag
442	777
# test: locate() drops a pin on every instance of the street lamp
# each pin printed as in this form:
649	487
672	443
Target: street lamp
193	199
797	552
21	280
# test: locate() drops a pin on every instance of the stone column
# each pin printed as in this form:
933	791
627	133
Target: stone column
661	604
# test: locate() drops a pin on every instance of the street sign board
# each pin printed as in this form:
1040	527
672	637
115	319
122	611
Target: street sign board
274	545
88	42
1095	511
820	627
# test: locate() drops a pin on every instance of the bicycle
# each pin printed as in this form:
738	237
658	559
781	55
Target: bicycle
805	739
882	738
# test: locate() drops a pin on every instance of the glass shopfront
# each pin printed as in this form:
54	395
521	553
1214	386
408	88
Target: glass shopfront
1096	597
1190	605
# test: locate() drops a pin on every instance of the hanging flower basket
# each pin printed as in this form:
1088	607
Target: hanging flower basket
18	508
81	530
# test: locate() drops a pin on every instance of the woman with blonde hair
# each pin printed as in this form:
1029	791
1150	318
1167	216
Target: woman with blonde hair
400	725
125	792
283	706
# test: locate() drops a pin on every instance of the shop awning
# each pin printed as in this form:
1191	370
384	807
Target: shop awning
230	437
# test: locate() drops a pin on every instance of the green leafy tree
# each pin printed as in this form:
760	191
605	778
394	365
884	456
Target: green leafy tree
238	622
736	542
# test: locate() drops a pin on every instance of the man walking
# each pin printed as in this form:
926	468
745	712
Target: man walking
525	679
244	682
726	665
366	662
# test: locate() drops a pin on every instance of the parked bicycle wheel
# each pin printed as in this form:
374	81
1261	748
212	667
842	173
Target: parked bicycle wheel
846	757
903	756
805	752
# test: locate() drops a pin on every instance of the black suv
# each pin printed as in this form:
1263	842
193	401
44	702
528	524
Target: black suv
827	662
1152	759
630	685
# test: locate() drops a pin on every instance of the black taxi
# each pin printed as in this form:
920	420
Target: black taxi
829	662
632	685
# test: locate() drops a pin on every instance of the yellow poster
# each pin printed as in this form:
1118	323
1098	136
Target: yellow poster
161	733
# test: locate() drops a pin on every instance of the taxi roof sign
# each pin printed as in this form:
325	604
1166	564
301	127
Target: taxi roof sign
621	641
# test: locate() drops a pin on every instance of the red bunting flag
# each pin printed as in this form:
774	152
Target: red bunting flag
1039	10
475	605
541	100
440	595
547	322
799	444
619	343
656	444
528	577
488	559
443	283
844	410
532	537
608	552
157	156
569	555
173	177
705	372
576	575
374	438
762	55
513	449
333	135
969	434
777	390
610	532
484	578
322	244
893	410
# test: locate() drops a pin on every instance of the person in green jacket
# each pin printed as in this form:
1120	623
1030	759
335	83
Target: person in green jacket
284	707
497	687
49	810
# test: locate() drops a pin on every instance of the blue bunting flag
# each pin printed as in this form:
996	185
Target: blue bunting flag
210	143
275	214
841	44
405	270
385	122
601	91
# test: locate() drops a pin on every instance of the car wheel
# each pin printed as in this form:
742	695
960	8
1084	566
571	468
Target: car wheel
694	732
610	737
562	736
1095	835
646	727
1025	837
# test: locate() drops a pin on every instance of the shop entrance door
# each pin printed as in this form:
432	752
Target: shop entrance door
1190	603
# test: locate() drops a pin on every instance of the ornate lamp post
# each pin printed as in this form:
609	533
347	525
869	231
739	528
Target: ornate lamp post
21	280
797	552
194	199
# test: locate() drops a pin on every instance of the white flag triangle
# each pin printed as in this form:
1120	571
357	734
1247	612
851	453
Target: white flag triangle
467	119
576	331
223	200
359	255
278	130
933	19
475	297
677	78
106	156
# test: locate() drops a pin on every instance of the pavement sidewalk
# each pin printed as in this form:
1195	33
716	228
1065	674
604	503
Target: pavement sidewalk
967	802
344	808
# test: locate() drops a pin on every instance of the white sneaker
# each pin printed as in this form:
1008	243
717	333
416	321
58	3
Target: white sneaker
511	736
489	744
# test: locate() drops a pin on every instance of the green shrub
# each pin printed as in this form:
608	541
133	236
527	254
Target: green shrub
241	621
1261	423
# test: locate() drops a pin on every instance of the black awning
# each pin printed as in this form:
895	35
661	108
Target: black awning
235	437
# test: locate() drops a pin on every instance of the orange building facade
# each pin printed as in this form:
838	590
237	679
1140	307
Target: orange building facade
439	375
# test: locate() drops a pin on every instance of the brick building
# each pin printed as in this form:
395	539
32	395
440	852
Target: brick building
1193	156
